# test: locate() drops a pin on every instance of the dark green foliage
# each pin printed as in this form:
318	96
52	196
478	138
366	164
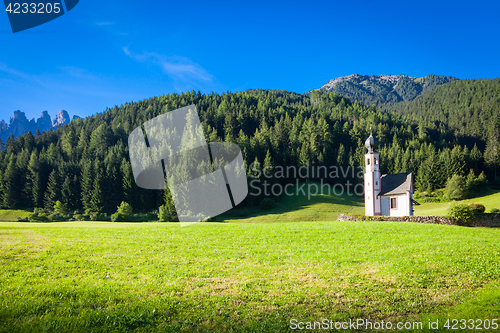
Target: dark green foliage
164	214
463	108
96	216
38	215
267	204
456	188
475	184
11	180
492	152
85	164
53	191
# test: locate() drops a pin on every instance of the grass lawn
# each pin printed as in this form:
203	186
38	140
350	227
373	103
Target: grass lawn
12	215
302	208
489	200
252	277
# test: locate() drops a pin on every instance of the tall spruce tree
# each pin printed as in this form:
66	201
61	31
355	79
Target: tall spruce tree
52	194
87	183
11	184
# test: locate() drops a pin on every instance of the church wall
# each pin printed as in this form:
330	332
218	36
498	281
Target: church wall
403	206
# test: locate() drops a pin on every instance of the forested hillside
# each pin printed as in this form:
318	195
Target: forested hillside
468	107
85	164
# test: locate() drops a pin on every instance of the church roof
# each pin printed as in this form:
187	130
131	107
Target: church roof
398	183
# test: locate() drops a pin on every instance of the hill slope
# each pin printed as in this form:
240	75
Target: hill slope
383	89
468	107
440	209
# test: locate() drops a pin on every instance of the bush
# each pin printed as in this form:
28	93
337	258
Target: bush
125	209
117	217
56	217
94	216
460	212
59	208
164	214
145	217
123	213
477	208
495	210
456	188
429	199
475	184
38	215
267	204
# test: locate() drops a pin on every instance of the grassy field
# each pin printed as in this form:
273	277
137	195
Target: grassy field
12	215
254	274
303	208
489	200
250	277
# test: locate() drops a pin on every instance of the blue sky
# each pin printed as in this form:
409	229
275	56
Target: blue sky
106	53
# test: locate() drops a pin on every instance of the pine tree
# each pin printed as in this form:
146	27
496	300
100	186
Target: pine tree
67	193
52	194
11	184
87	183
22	163
492	154
60	208
268	165
341	156
476	159
127	181
35	180
457	162
97	199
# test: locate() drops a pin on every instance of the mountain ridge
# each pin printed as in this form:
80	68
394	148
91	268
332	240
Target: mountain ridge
384	89
19	123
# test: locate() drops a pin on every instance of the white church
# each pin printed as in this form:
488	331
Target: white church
385	195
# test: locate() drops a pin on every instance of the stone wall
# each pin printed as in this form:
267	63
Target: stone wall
480	220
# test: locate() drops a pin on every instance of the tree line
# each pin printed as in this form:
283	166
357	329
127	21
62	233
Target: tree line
86	165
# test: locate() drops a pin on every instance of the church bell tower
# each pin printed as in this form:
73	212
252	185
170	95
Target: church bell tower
372	178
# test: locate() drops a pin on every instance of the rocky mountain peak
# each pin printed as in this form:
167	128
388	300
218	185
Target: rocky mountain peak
62	117
383	89
19	124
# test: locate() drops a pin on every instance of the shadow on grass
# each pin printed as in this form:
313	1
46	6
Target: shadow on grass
289	204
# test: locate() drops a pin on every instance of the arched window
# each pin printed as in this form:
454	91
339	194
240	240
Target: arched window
376	160
368	161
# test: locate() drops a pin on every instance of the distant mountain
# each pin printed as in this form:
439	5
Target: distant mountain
467	107
382	90
19	123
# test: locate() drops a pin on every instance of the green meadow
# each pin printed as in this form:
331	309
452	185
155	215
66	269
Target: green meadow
490	200
303	207
248	275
